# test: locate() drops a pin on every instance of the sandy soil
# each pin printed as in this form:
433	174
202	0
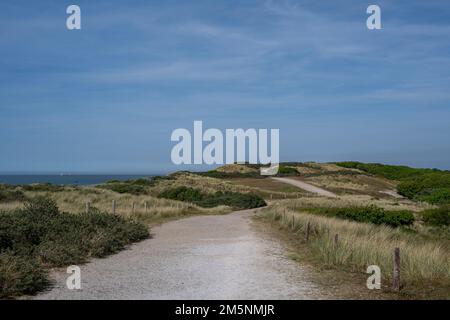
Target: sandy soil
307	187
203	257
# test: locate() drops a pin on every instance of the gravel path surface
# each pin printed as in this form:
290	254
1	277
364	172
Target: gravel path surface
201	257
307	187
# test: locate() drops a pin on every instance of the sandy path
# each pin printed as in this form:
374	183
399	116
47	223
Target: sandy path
307	187
202	257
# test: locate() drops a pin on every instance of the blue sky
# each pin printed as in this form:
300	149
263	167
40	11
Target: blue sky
106	98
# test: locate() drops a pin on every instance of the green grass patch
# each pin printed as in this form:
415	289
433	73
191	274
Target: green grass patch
40	236
232	199
369	214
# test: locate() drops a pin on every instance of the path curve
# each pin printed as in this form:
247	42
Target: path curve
201	257
307	187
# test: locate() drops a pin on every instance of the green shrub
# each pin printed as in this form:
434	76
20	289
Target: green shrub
430	185
12	195
435	196
230	175
141	182
182	194
125	187
135	187
386	171
20	275
233	199
43	187
369	214
48	237
437	217
287	171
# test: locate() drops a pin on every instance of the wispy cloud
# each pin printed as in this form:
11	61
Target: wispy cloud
133	73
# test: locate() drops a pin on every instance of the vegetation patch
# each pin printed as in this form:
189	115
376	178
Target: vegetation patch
134	187
287	171
43	187
230	175
423	263
232	199
12	195
430	185
41	236
369	214
437	217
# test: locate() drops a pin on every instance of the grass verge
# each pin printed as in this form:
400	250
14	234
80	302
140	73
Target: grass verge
424	264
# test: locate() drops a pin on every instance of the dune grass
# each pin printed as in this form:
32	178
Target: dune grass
423	263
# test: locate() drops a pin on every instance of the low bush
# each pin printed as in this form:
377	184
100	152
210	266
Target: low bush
12	195
433	188
386	171
43	187
437	217
430	185
183	194
135	187
230	175
232	199
40	236
287	171
20	275
436	196
370	214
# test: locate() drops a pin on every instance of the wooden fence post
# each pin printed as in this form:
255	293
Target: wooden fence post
145	206
293	222
271	196
396	275
88	206
308	229
114	206
132	210
336	239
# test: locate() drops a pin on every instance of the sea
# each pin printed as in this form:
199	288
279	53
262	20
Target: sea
67	179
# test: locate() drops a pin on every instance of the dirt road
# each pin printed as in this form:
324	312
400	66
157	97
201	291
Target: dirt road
202	257
307	187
